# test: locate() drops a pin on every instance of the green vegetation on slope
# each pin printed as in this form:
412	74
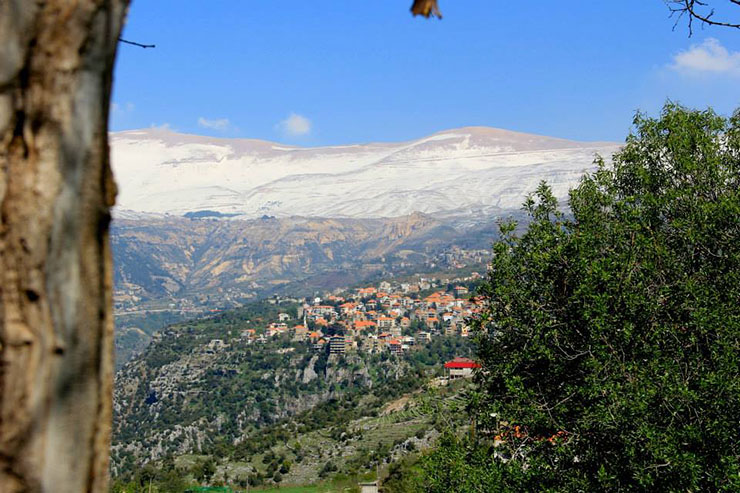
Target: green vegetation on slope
349	446
203	390
134	331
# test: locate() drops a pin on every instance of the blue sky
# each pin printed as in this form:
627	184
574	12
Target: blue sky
324	72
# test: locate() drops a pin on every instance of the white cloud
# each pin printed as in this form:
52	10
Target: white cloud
220	124
709	57
295	125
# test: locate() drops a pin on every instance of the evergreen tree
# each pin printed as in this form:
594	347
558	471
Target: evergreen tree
610	338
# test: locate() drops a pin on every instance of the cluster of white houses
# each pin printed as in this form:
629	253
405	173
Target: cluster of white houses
376	319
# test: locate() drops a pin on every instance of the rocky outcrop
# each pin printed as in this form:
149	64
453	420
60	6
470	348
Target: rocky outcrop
308	372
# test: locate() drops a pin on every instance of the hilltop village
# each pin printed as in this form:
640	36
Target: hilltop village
384	318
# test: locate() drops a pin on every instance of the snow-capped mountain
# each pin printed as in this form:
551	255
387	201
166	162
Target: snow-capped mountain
460	172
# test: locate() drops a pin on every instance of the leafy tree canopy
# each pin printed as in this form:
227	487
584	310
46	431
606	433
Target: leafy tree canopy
610	339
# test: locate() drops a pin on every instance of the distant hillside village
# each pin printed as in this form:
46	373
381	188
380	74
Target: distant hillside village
384	318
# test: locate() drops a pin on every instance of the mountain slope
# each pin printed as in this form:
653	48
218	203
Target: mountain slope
204	386
170	257
452	172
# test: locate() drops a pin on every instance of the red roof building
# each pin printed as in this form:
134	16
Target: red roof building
462	363
461	368
395	346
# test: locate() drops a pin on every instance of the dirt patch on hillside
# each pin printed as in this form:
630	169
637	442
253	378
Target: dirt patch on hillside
395	406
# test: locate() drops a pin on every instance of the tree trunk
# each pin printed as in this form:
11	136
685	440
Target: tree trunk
56	189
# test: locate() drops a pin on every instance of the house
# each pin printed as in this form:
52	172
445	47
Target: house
461	290
385	322
276	328
366	292
433	299
395	346
367	325
315	336
300	332
322	310
460	368
338	345
283	317
319	344
396	312
370	344
369	487
348	308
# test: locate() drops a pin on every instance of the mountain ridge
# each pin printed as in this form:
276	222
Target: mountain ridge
163	172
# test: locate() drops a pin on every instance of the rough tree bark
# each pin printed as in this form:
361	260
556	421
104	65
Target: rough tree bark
56	189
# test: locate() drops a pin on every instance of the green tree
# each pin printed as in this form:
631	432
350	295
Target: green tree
204	470
610	339
277	478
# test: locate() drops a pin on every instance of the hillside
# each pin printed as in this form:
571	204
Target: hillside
330	458
207	388
169	258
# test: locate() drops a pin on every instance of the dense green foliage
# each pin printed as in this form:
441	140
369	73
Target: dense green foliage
610	342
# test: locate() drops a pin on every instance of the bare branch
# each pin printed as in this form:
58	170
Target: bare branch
135	43
698	10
